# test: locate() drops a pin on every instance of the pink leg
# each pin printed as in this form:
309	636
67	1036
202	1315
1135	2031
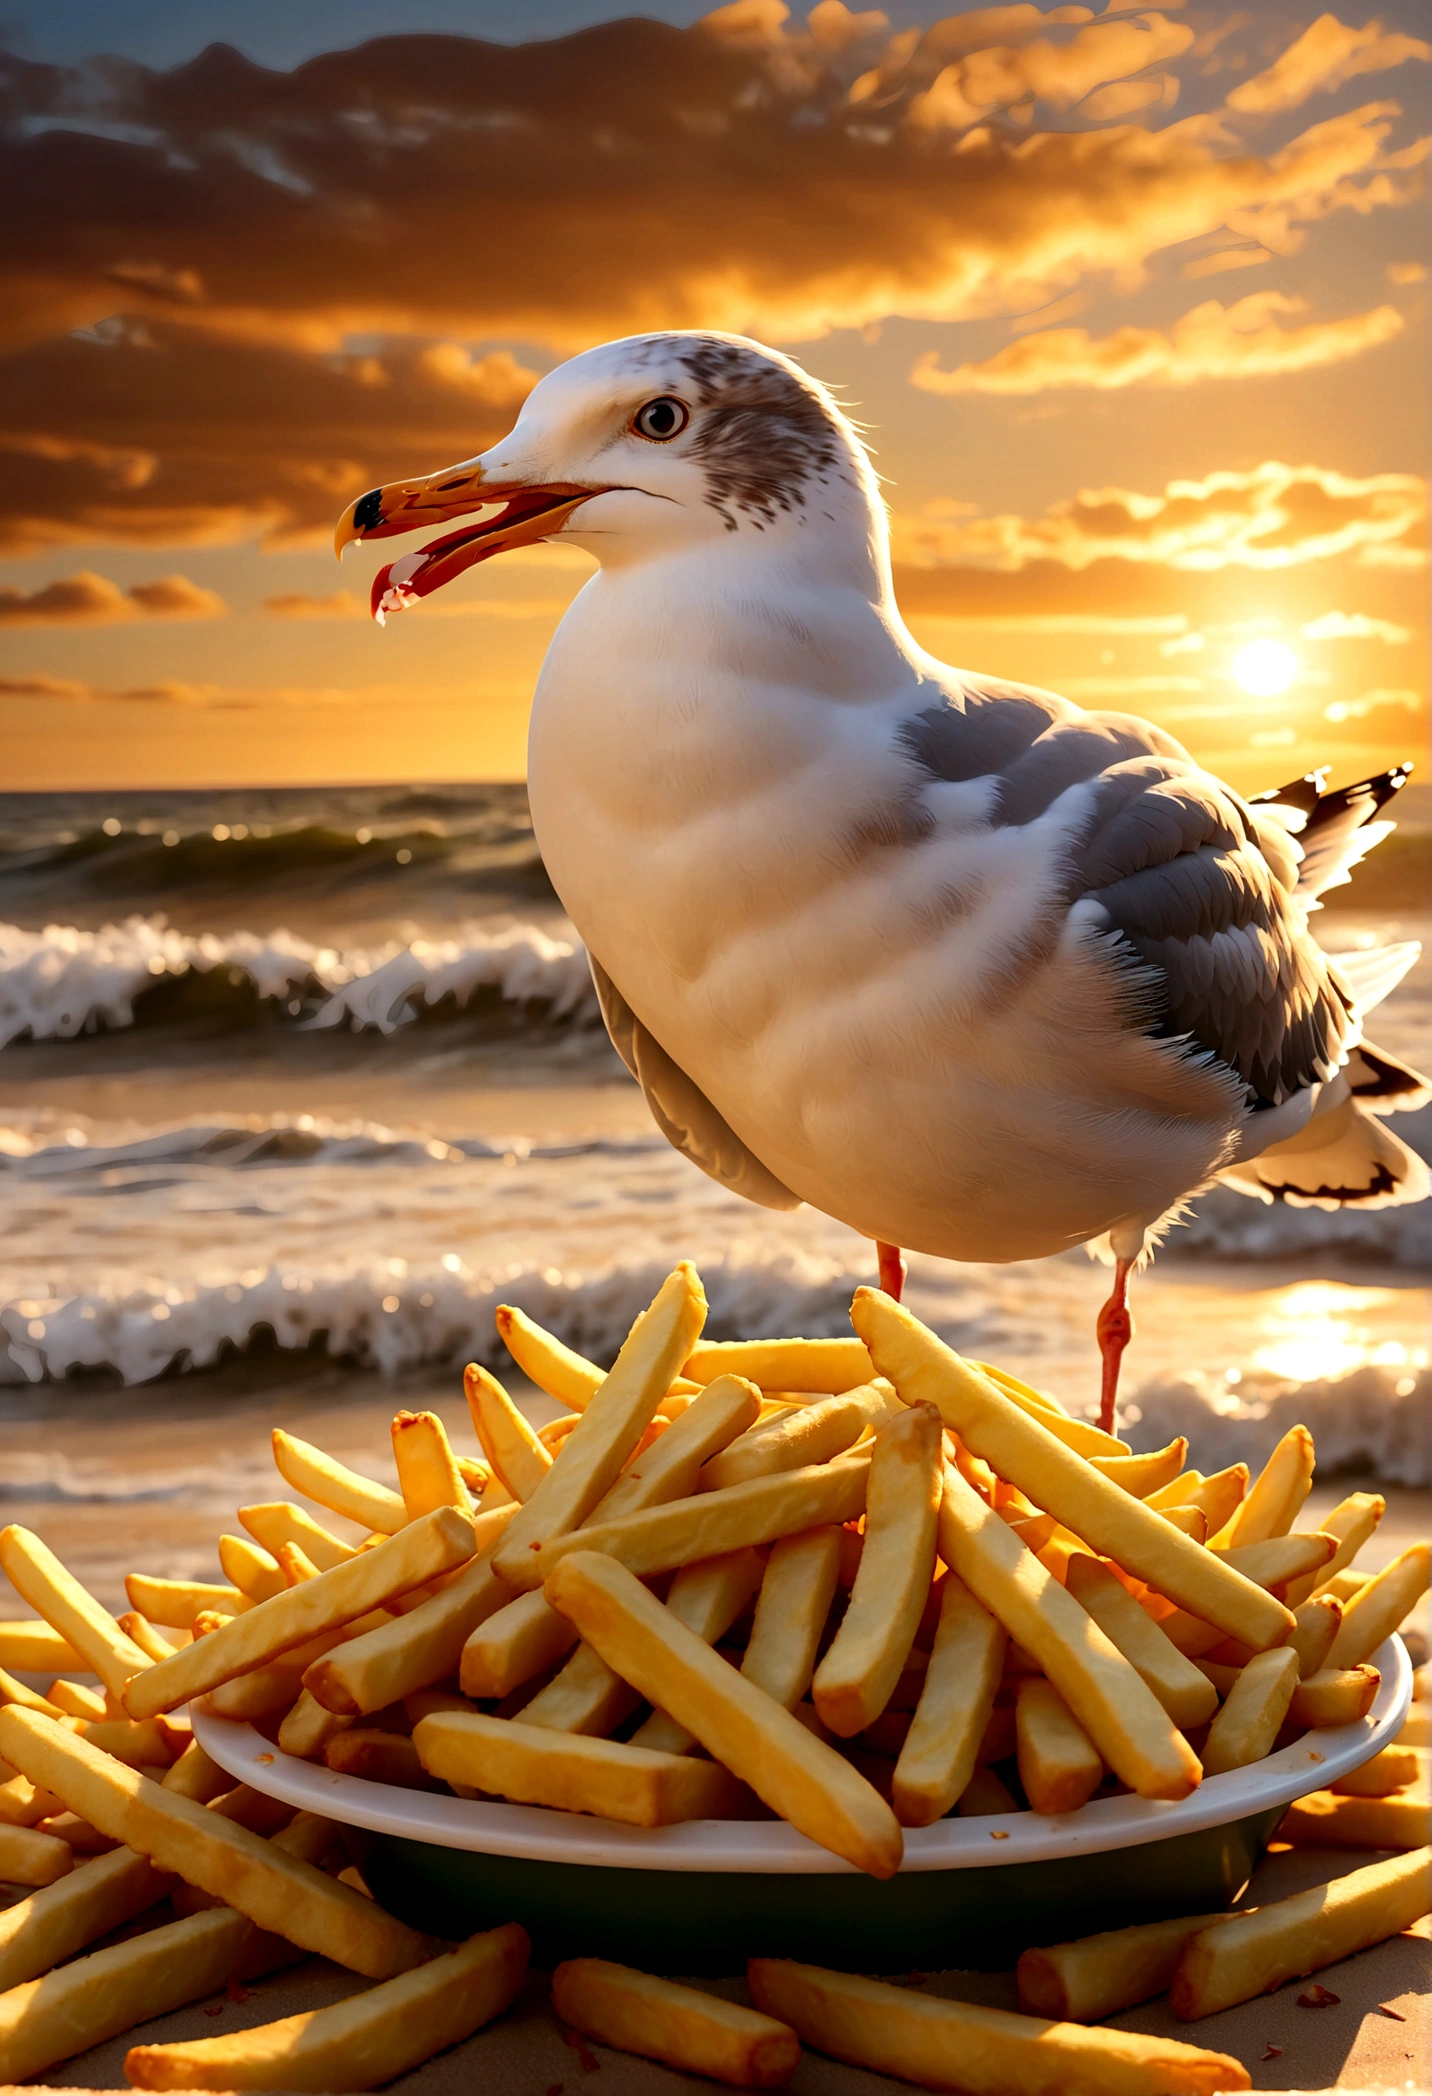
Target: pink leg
1115	1329
892	1269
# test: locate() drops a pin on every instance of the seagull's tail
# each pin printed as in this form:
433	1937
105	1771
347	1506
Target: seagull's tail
1334	830
1344	1158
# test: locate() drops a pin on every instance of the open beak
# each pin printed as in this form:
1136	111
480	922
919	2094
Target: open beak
501	513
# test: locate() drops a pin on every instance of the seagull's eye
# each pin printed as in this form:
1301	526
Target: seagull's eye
661	420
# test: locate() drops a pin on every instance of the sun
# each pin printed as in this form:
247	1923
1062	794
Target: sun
1265	668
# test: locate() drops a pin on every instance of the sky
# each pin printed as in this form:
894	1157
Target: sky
1131	303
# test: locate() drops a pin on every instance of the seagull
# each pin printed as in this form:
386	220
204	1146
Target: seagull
975	971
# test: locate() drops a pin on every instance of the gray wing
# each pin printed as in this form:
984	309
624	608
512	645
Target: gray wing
1195	890
680	1109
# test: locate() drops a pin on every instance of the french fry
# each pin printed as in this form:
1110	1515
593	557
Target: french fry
39	1578
1056	1479
21	1805
985	1797
1276	1560
1347	1583
1315	1631
428	1476
70	1698
1250	1954
195	1775
252	1572
564	1374
659	1539
138	1746
1269	1564
940	1750
695	2033
150	1641
738	1724
801	1366
1249	1722
1218	1495
420	1552
801	1435
272	1522
1188	1520
853	1682
983	2052
380	1757
707	1598
1416	1728
1130	1728
60	1919
1334	1696
1323	1821
1352	1521
177	1603
1276	1495
522	1638
1141	1475
319	1477
13	1691
279	1893
517	1454
1377	1609
1059	1765
308	1727
382	1666
609	1429
46	2020
1184	1692
31	1858
1096	1976
34	1648
797	1589
357	2044
533	1765
1079	1434
1394	1769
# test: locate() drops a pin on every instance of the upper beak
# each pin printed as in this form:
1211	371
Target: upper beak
514	514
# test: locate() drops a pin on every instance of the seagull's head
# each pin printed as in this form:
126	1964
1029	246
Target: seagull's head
633	450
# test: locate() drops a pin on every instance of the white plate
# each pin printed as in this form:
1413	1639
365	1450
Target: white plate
770	1846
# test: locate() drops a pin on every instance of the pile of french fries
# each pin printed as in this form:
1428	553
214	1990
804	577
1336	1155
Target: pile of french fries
856	1584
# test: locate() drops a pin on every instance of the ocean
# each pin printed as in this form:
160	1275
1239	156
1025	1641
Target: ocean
296	1086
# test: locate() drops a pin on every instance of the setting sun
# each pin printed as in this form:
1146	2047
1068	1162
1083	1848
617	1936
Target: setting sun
1265	668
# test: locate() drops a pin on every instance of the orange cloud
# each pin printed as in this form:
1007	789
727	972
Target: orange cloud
87	599
1275	516
1327	54
1355	625
300	604
1243	340
169	692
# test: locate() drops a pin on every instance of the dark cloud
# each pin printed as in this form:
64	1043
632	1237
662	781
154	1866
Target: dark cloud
87	599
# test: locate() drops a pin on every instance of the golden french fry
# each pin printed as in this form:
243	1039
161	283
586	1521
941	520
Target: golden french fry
1218	1495
802	1366
34	1648
1334	1696
1315	1631
985	1797
46	2020
272	1522
738	1724
1121	1714
609	1429
1250	1954
533	1765
517	1454
1323	1821
1059	1765
21	1805
1184	1692
13	1691
177	1603
585	1696
1188	1520
854	1680
138	1746
428	1476
1276	1495
1078	1434
319	1477
1096	1976
1024	1452
671	1467
800	1435
695	2033
524	1637
253	1573
150	1641
658	1539
420	1552
218	1855
1249	1722
707	1598
1141	1475
70	1698
195	1775
1376	1610
1346	1584
983	2052
39	1578
797	1589
384	1665
1352	1521
940	1750
308	1727
568	1376
1276	1560
357	2044
380	1757
31	1858
1394	1769
60	1919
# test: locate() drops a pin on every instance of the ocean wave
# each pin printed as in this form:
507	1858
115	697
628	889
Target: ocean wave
63	981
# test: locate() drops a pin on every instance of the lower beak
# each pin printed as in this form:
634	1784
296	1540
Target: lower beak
502	514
